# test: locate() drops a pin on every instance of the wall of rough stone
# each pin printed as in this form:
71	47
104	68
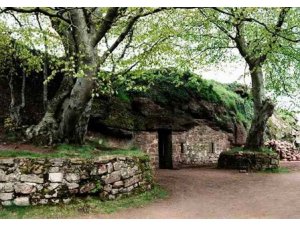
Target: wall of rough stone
200	145
33	181
148	142
247	161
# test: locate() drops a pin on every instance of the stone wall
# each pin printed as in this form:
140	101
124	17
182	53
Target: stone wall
148	142
33	181
247	160
200	145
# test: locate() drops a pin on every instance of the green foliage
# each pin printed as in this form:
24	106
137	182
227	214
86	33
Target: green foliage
67	151
287	116
169	86
276	170
83	207
123	96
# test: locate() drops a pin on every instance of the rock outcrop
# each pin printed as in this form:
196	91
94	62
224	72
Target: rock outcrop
168	106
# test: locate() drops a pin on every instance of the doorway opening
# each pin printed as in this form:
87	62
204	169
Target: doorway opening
165	148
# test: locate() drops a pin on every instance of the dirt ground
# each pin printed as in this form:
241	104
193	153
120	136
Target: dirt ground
211	193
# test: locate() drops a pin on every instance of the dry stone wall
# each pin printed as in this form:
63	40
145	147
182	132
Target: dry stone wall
35	181
248	161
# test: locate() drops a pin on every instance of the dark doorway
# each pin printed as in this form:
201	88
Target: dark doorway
165	148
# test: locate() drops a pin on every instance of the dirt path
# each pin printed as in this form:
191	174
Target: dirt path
211	193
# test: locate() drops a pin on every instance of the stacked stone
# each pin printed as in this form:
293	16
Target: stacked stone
286	150
25	181
248	161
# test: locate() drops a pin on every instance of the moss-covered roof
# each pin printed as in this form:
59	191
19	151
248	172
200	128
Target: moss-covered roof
173	98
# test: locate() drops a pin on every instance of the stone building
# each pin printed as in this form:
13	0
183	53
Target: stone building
200	145
173	140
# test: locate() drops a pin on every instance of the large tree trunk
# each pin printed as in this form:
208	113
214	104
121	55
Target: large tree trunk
46	131
263	110
67	115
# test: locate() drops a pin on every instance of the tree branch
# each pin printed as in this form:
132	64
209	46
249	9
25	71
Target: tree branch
44	11
108	20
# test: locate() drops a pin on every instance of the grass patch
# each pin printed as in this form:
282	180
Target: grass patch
83	207
73	151
276	170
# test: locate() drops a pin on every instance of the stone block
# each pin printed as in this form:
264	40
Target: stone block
67	200
87	188
84	175
118	184
107	187
54	169
94	172
2	175
52	194
111	197
109	167
8	162
56	177
56	162
13	177
127	172
72	177
22	201
114	191
102	169
131	181
76	161
53	186
72	185
130	188
113	177
7	203
54	201
31	178
6	187
6	196
118	165
43	201
24	188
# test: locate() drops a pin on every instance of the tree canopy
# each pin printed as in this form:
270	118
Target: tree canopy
85	43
